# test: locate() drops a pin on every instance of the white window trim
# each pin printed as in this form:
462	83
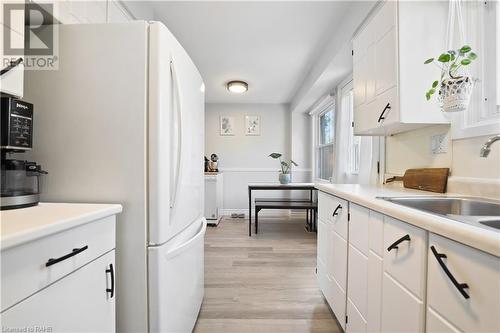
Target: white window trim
485	98
322	106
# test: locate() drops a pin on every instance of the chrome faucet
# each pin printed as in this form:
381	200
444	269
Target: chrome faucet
485	150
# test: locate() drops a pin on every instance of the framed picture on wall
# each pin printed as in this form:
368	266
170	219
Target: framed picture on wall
226	125
252	125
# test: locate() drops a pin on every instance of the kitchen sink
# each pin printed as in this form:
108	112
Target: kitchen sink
476	211
491	223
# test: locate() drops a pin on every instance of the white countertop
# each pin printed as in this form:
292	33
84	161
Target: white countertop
18	226
365	195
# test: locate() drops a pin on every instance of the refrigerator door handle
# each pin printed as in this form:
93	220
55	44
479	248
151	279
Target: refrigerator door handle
175	251
178	106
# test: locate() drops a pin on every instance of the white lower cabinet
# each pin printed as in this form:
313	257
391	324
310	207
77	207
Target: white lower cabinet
384	275
332	253
403	289
401	310
79	302
63	282
463	288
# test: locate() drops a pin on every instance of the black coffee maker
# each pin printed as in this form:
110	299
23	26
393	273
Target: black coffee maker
20	179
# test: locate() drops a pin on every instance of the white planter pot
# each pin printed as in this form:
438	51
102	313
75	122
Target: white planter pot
455	93
285	178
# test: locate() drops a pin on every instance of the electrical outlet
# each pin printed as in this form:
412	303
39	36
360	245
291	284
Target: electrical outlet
439	143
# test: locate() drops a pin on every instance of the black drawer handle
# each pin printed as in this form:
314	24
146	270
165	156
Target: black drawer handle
399	241
459	286
335	212
387	107
11	66
53	261
112	274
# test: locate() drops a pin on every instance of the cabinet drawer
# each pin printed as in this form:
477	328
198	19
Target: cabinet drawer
479	270
335	210
78	302
24	269
407	262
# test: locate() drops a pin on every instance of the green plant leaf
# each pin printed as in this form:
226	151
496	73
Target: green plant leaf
444	57
427	96
292	162
435	84
465	62
432	91
428	61
283	163
275	155
464	49
472	56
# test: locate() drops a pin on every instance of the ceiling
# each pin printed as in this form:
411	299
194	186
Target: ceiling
270	45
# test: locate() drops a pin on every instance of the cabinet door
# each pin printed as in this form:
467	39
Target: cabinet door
360	66
337	270
323	242
401	310
78	302
357	281
374	292
385	47
480	271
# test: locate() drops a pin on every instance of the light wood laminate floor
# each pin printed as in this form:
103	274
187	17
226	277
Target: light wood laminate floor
265	283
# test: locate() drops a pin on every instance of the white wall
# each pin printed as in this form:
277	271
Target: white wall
244	159
470	173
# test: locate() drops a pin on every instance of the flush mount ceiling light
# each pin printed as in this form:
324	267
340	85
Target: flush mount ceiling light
237	87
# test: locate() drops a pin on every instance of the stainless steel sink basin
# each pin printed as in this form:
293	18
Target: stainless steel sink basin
480	212
491	223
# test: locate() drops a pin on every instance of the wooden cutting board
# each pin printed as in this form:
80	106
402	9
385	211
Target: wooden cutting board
425	179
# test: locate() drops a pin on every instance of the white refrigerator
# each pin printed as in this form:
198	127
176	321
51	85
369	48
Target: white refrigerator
122	121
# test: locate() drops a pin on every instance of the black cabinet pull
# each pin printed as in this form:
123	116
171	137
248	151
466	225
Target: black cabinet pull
459	286
381	117
336	210
112	274
53	261
399	241
11	66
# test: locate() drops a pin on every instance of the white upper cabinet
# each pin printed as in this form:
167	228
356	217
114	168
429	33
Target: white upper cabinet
390	78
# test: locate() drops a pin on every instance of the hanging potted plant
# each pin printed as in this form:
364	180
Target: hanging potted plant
455	84
286	167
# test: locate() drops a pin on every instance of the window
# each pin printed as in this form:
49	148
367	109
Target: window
325	146
482	27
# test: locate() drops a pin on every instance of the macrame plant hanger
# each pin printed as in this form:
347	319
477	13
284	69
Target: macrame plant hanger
455	92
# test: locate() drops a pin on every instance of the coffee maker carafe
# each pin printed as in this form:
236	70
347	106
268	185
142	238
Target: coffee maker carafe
20	179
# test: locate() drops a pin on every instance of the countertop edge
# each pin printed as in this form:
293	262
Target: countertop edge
59	226
457	231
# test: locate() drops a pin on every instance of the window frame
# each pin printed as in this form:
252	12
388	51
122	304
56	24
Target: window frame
483	115
323	106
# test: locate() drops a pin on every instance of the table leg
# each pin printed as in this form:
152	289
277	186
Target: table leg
249	212
256	220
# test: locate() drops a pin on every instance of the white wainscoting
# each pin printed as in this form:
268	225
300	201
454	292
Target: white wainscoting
236	187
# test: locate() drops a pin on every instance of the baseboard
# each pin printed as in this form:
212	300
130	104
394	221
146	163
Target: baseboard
266	212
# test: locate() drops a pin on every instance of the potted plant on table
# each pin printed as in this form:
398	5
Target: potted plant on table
455	84
286	167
